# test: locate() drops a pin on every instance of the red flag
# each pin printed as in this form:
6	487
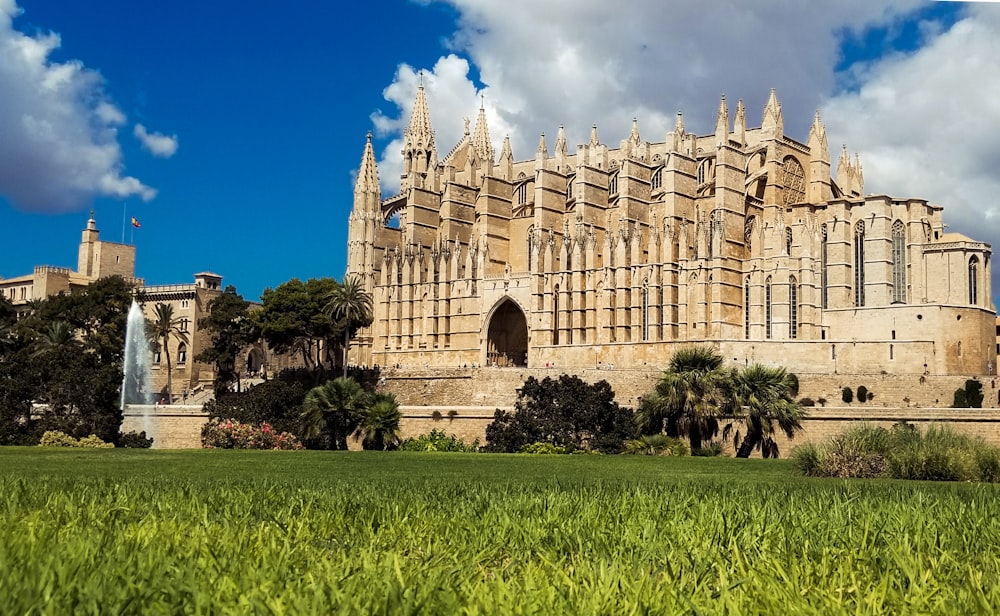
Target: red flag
135	222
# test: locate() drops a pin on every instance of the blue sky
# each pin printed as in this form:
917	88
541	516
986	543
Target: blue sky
255	120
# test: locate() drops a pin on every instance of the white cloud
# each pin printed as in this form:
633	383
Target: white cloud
157	144
58	129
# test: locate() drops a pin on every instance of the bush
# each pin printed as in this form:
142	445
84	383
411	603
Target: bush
971	396
807	402
230	434
656	445
821	401
437	440
543	448
132	440
54	438
847	395
902	452
709	450
862	394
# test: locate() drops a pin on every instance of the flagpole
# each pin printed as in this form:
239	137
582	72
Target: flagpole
123	222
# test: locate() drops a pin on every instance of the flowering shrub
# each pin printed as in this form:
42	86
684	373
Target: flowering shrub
55	438
231	434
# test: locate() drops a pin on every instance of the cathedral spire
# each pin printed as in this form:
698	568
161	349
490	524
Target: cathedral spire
481	138
722	123
679	124
740	123
561	141
419	153
772	124
543	151
633	136
367	181
818	145
859	176
593	135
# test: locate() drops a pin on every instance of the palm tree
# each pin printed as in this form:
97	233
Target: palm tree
350	302
760	396
161	329
333	410
56	335
379	427
689	396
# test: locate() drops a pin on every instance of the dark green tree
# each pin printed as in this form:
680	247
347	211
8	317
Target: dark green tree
759	398
229	325
332	412
291	319
689	397
276	401
566	412
352	306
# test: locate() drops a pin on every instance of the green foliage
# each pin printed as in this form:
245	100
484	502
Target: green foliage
903	452
656	445
971	396
689	397
229	434
437	440
292	320
133	440
277	402
566	412
333	411
379	425
353	306
543	448
54	438
759	398
709	450
231	330
847	395
359	533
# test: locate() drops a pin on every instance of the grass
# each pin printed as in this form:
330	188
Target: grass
208	532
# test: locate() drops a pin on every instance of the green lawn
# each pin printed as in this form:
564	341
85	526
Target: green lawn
131	531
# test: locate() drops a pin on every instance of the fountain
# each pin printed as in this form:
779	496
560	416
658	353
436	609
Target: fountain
136	380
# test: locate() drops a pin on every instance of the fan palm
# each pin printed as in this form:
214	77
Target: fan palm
350	302
333	410
379	427
759	398
689	396
161	329
56	335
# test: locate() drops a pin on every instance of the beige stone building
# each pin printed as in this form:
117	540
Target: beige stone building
614	255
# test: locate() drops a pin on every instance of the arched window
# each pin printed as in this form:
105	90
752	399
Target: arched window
569	187
824	283
704	171
182	353
645	310
657	178
531	247
155	348
859	263
613	184
788	241
522	193
794	181
555	315
974	280
767	308
898	263
793	308
746	308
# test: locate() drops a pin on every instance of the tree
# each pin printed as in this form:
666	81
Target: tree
332	411
162	329
379	427
689	397
759	397
291	319
350	303
276	401
53	338
565	412
231	330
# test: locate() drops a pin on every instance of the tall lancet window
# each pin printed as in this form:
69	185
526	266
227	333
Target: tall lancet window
788	241
824	282
746	308
859	263
555	315
645	310
767	308
793	308
658	178
974	280
898	263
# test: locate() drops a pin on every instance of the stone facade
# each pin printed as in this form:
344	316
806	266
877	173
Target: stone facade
614	256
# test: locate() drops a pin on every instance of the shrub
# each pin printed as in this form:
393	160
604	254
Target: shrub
807	402
709	450
437	440
132	440
543	448
656	445
821	401
437	416
862	394
55	438
230	434
847	395
971	396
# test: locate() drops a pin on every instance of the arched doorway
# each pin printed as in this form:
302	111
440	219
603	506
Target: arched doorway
507	336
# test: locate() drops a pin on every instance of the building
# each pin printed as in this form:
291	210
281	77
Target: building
614	256
98	259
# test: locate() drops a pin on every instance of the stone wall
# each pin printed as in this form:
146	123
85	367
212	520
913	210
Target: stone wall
172	426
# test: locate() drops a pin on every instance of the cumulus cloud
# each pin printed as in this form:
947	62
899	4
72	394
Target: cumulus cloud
58	128
157	144
545	63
